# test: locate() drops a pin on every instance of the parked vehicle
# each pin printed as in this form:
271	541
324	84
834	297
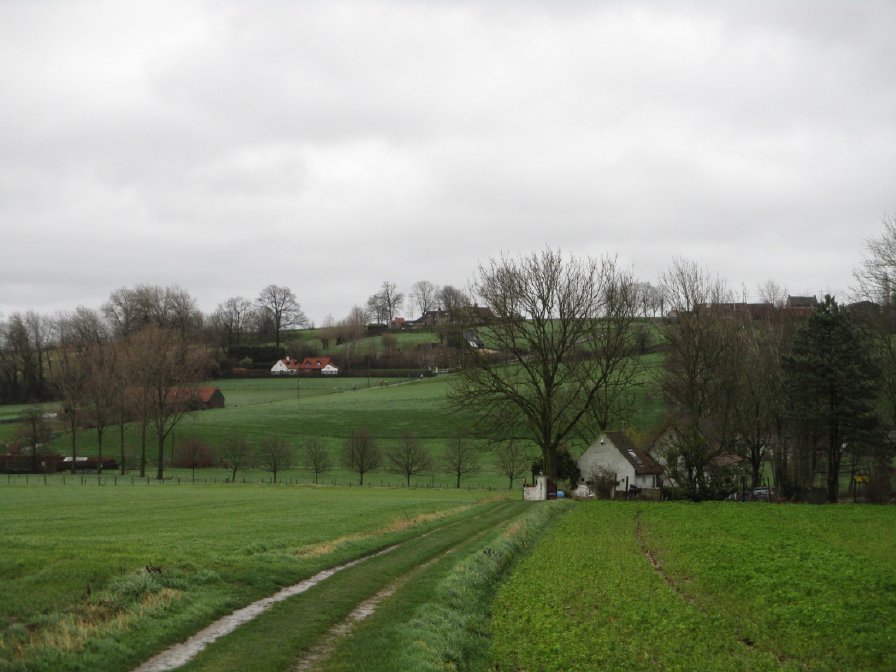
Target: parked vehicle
760	495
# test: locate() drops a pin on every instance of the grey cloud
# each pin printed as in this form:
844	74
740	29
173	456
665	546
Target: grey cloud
332	145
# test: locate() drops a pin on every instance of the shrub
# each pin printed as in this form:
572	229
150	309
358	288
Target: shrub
192	453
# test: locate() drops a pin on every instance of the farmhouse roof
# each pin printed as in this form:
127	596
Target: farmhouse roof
311	363
640	461
205	394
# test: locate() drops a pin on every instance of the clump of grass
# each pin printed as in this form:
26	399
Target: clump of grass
452	631
125	591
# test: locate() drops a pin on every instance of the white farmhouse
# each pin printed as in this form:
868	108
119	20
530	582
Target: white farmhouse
285	367
615	454
329	370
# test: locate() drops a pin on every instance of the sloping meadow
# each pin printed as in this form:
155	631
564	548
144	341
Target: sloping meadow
721	586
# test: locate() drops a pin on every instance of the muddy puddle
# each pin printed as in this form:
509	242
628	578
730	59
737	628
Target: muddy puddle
181	653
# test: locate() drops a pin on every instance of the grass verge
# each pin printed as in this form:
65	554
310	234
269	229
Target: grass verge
451	630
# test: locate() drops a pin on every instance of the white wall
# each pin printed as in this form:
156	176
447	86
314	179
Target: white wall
606	455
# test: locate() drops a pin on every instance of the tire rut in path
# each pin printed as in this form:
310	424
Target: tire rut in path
328	642
322	650
180	654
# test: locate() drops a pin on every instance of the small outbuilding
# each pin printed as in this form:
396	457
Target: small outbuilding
209	397
543	489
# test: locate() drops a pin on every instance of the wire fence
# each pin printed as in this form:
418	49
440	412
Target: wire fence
133	480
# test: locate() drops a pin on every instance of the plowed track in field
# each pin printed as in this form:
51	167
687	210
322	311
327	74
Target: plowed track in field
302	623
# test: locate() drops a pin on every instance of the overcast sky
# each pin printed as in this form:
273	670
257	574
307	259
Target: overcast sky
329	146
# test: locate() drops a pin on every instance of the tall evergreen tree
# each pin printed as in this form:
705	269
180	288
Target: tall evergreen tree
832	380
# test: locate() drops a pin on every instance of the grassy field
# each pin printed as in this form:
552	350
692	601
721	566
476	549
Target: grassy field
611	586
628	586
315	408
76	592
327	409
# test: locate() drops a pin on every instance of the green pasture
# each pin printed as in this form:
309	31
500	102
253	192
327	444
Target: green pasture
328	409
298	410
734	587
73	568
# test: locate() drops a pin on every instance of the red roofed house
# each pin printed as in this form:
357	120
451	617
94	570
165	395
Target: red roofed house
286	366
313	364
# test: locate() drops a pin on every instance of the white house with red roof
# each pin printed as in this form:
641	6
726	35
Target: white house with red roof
309	365
285	367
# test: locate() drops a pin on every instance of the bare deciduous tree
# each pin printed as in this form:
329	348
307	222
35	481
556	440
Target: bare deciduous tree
616	349
316	458
385	303
460	457
424	295
129	310
70	379
193	452
456	303
232	319
408	457
168	367
701	345
280	304
275	455
757	395
101	390
360	453
550	333
235	453
876	277
772	293
513	460
876	281
27	365
35	431
351	330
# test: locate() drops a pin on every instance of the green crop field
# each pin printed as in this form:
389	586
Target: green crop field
721	586
73	569
105	577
